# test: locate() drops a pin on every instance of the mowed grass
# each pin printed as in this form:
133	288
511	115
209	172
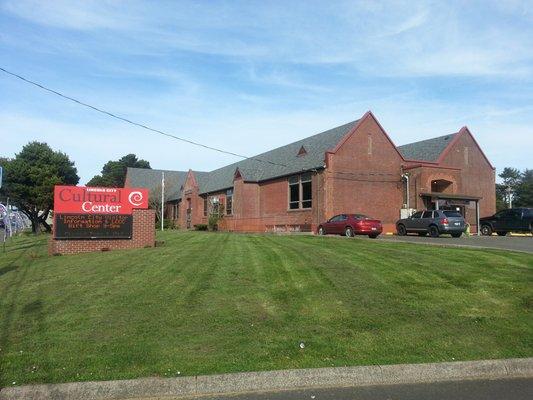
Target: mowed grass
217	302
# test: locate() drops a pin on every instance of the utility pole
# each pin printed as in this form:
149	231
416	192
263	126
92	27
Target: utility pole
510	196
162	199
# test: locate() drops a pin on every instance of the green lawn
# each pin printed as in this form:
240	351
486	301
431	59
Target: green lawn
218	302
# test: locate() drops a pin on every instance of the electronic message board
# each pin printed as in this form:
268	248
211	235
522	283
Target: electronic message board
93	226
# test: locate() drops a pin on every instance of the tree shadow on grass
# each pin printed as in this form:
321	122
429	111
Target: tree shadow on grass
8	268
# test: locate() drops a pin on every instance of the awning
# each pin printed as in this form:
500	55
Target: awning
449	196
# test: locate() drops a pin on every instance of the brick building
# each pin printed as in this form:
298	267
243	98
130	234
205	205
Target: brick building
353	168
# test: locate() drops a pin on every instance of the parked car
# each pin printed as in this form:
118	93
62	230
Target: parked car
350	225
434	222
511	220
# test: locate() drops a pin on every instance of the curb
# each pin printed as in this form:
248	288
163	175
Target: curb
246	382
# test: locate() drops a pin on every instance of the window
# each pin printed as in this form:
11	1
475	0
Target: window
336	218
300	191
369	145
453	214
229	202
417	214
205	206
428	214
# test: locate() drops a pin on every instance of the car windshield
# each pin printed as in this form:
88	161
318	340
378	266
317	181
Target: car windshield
452	213
361	216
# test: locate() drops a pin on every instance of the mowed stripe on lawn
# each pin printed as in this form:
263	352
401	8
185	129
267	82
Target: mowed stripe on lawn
221	302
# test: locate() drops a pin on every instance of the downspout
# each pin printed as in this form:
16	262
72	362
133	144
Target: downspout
317	196
406	177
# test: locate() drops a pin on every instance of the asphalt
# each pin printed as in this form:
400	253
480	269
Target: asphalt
515	243
511	389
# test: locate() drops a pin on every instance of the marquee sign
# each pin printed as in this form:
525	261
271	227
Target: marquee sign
96	213
92	200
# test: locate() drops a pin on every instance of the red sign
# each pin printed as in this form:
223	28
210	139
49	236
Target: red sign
92	200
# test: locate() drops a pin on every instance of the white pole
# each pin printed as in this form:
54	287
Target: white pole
8	219
477	218
162	199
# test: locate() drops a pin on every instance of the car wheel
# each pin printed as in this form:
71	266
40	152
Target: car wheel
486	230
501	233
457	235
348	232
372	236
401	230
434	231
422	233
321	231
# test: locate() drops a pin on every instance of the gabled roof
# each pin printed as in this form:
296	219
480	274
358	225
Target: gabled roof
151	180
285	161
426	150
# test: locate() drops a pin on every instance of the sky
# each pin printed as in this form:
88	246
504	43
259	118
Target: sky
249	76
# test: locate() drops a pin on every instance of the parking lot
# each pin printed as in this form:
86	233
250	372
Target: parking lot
516	243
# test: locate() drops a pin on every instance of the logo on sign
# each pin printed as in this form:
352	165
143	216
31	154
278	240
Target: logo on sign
135	198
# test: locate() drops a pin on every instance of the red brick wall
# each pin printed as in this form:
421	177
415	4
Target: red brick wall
478	178
143	235
264	207
364	176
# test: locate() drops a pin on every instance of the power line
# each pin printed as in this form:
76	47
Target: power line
110	114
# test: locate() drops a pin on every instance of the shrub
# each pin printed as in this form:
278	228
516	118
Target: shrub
213	222
200	227
169	224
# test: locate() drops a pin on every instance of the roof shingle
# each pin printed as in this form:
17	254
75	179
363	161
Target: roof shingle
426	150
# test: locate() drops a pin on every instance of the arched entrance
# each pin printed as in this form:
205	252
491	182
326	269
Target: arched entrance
441	186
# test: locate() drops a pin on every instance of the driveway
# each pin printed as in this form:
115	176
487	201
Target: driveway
516	243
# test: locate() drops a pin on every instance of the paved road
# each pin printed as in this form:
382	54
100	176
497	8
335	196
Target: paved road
517	243
513	389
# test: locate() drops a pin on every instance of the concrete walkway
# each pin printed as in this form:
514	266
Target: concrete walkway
275	381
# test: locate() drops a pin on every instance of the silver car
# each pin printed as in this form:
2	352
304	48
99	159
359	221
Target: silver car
434	222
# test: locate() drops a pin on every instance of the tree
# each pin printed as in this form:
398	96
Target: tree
511	178
114	172
501	197
29	180
523	196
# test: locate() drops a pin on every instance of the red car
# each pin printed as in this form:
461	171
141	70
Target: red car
350	225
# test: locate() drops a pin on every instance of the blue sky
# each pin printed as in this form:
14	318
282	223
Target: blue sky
253	75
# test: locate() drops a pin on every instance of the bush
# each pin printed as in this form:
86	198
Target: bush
169	224
200	227
213	222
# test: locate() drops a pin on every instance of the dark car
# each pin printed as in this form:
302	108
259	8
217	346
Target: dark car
511	220
350	225
434	222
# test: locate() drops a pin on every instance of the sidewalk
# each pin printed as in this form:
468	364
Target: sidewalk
247	382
